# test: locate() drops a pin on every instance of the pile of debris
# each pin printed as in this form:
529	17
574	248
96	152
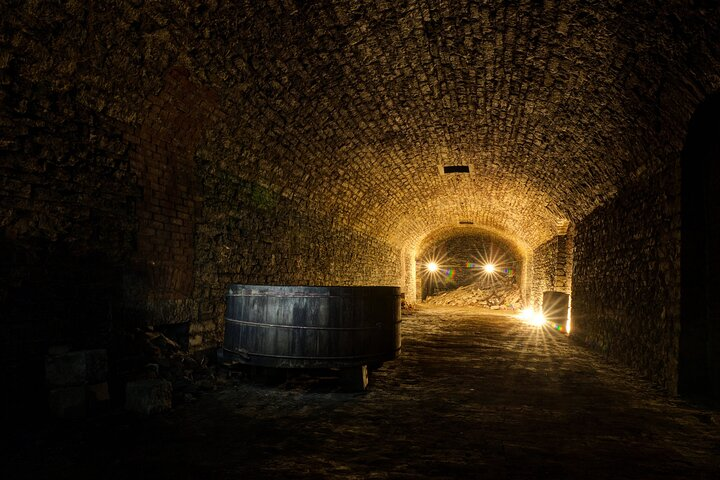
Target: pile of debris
145	372
407	308
497	296
157	367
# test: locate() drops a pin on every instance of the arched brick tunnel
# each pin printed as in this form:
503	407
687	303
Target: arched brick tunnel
155	152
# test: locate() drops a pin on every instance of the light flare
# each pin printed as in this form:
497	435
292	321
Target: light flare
568	324
531	317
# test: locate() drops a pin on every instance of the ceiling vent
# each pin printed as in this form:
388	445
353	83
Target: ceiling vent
455	169
562	226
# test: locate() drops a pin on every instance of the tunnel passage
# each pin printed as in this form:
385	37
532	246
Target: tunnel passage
470	256
699	360
319	143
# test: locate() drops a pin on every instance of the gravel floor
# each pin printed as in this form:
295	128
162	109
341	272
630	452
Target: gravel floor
473	395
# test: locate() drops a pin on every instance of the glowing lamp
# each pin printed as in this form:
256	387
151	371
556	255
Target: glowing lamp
525	314
537	319
489	268
568	324
432	267
530	316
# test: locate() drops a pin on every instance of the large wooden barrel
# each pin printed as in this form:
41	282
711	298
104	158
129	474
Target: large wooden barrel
312	327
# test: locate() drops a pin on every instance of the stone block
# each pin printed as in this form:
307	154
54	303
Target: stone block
58	350
65	370
98	393
76	368
555	306
96	366
196	341
68	402
148	396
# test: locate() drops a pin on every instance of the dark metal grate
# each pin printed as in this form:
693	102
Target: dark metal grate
456	169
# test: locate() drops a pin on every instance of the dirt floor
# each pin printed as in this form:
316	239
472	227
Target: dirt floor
474	394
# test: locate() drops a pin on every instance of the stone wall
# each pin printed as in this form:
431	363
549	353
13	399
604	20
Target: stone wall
340	116
626	278
562	281
162	156
542	271
96	126
551	267
67	227
97	200
409	279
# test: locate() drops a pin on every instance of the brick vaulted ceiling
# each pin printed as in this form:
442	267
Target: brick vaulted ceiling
349	108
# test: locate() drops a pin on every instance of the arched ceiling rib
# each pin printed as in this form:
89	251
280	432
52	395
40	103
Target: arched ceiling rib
424	245
350	107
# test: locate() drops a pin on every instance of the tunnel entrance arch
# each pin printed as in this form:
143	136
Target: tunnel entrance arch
471	258
699	355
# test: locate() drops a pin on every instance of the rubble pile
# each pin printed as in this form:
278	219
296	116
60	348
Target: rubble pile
407	308
154	361
497	296
145	372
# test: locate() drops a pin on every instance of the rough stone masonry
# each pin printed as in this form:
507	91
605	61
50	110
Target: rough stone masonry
154	152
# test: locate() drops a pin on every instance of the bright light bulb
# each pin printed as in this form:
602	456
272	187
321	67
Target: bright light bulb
526	314
538	319
489	268
432	267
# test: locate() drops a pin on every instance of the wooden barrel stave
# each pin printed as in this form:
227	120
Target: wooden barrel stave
312	327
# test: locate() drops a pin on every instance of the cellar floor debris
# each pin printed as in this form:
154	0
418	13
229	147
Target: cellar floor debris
475	394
